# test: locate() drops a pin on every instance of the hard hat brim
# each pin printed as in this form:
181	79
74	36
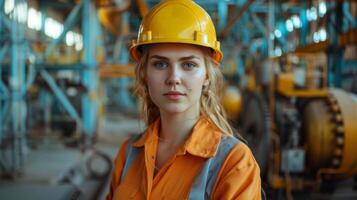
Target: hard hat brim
135	50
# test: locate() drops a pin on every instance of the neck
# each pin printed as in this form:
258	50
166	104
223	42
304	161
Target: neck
175	128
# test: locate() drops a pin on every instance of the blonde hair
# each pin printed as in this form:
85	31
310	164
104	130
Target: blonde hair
210	105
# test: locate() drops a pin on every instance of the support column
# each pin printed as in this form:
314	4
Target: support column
271	23
2	53
124	98
17	82
304	28
89	74
335	52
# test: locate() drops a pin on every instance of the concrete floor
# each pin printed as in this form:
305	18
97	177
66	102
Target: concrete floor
48	166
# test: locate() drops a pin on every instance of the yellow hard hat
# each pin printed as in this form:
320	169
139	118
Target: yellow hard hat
177	21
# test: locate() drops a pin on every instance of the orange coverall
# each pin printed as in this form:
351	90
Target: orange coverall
238	178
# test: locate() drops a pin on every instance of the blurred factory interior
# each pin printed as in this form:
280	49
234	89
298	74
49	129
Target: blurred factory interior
66	99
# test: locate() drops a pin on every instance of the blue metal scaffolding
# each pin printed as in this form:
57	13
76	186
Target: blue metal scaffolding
13	110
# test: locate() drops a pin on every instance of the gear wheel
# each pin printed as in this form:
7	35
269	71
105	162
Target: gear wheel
337	131
329	128
255	126
321	119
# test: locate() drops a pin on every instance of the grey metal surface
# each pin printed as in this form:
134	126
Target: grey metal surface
32	191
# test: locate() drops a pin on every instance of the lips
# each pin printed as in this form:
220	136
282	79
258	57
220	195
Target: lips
174	93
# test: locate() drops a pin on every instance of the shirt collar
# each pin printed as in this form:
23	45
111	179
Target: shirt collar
150	134
203	141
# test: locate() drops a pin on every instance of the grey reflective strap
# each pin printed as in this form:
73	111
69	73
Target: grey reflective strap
204	182
130	155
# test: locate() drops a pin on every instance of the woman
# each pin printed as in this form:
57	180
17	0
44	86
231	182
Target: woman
188	150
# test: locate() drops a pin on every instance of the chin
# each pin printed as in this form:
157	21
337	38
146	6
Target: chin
186	109
174	109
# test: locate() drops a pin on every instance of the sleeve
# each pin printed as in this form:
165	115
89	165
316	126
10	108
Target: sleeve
239	177
118	167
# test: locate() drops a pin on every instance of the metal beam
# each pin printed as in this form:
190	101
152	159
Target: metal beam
236	18
4	117
90	101
60	67
261	8
259	24
5	20
304	28
222	14
350	18
271	25
2	95
123	96
60	95
116	70
335	52
313	47
16	83
3	17
264	32
3	88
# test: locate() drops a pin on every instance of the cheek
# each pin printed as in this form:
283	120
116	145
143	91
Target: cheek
196	81
152	79
154	85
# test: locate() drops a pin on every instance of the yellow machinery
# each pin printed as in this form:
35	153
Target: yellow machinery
331	134
232	101
301	132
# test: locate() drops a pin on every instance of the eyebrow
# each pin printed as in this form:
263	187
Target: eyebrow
159	57
189	58
181	59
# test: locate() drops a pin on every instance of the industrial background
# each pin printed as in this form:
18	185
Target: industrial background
66	100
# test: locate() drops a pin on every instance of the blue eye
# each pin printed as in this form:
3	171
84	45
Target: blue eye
189	65
160	65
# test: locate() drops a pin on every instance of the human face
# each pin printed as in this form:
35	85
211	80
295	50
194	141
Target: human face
176	74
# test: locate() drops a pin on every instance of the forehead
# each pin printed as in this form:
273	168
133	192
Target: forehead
177	50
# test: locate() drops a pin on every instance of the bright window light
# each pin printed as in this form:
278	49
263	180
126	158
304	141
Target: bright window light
308	15
322	9
322	34
9	6
311	14
34	19
277	51
79	41
289	25
296	21
48	27
277	33
316	37
21	12
70	38
271	35
53	28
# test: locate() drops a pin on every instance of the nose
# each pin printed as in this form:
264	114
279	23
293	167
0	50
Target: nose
174	77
